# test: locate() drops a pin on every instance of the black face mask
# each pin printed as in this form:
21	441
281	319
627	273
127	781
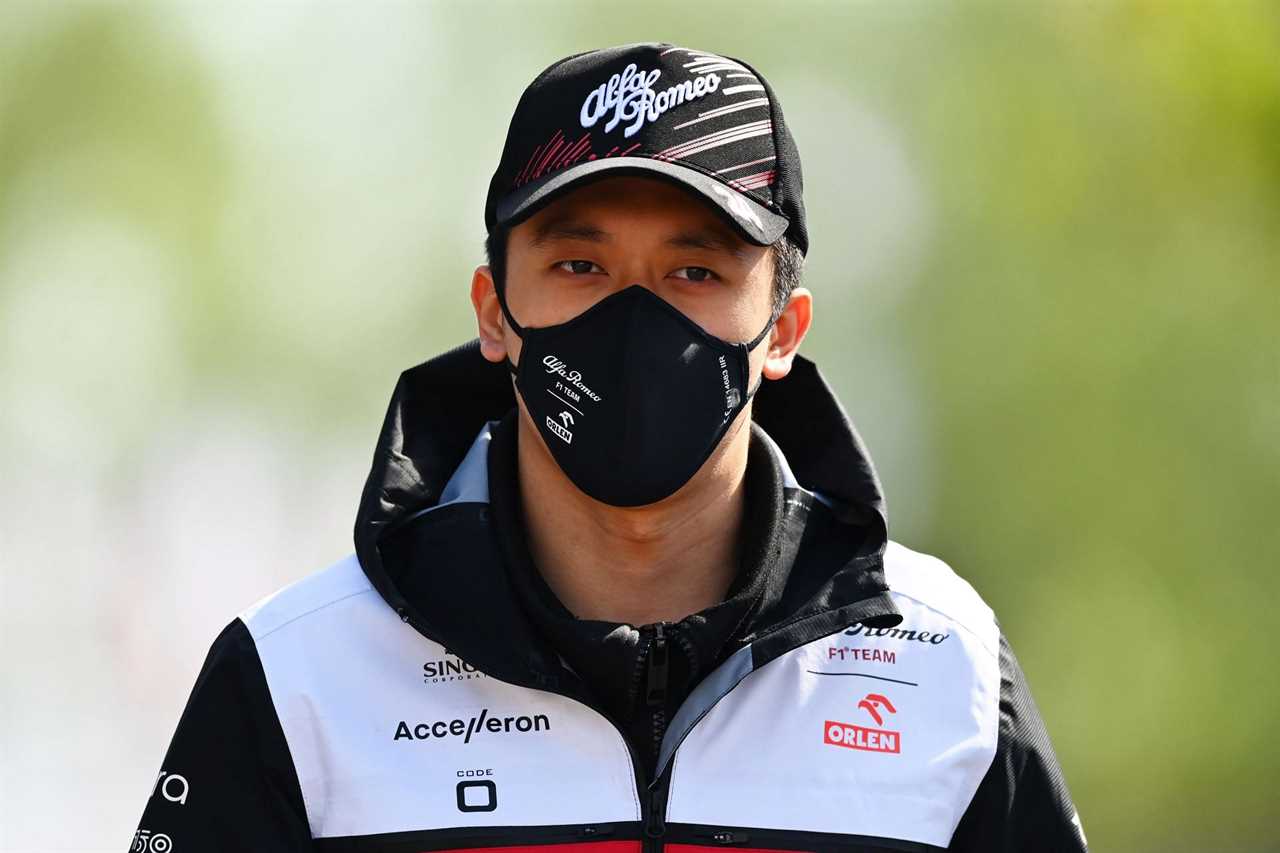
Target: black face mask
631	396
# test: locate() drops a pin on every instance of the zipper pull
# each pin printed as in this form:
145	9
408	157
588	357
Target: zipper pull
656	691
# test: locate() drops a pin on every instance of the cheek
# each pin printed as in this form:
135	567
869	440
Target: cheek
748	310
546	299
512	341
740	319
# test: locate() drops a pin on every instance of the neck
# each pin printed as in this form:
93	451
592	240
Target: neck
637	565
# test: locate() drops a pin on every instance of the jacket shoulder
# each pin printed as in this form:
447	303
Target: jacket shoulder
303	599
918	580
227	757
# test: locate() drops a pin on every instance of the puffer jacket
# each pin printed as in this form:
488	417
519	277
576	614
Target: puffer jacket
401	700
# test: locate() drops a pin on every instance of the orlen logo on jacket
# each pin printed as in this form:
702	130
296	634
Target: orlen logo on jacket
865	738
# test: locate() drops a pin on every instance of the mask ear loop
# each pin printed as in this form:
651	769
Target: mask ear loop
500	291
750	346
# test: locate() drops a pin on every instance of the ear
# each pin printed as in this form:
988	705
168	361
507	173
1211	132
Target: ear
489	320
788	332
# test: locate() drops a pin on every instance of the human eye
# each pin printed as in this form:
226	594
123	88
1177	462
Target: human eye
695	274
579	267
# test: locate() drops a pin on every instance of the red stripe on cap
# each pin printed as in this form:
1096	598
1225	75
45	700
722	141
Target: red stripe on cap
753	182
680	150
582	152
745	165
710	114
540	156
572	153
534	156
738	135
546	158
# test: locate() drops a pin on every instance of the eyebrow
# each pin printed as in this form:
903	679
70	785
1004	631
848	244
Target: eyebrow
708	240
567	229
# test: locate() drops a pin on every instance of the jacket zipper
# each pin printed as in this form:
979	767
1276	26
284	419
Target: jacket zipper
655	696
653	810
655	817
655	826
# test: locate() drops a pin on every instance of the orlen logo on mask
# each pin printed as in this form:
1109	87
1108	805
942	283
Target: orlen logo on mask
562	432
865	738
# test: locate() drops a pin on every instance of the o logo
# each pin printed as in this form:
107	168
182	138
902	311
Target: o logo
477	796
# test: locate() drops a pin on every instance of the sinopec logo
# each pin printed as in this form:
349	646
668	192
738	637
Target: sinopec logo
448	668
865	738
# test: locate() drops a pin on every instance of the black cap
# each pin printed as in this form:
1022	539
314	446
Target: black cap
708	122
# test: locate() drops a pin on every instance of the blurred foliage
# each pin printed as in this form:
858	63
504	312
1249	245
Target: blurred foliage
1110	376
1046	259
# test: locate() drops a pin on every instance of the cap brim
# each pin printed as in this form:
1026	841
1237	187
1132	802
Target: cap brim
756	222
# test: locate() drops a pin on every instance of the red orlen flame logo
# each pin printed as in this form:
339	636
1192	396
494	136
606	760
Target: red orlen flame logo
873	703
865	738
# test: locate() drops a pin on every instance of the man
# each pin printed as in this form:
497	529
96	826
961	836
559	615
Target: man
622	577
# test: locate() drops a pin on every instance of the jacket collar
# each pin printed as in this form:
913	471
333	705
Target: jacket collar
430	463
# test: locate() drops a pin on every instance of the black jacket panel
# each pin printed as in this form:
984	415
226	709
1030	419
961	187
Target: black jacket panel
1023	802
227	781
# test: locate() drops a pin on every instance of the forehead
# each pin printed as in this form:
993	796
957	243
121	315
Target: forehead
619	204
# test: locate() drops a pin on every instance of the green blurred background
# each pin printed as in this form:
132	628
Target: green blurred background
1046	259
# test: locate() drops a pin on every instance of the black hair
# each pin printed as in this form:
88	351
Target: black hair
788	264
